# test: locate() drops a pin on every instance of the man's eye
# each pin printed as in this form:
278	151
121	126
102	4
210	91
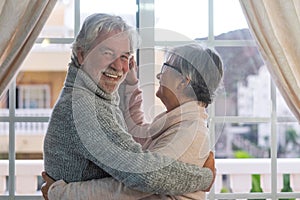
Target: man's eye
125	57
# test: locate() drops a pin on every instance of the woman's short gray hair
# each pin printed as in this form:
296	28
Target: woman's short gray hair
100	22
202	66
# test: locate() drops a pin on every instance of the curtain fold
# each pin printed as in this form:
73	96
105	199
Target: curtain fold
275	24
21	22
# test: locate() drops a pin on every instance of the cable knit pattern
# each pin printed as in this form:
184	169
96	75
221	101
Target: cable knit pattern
87	139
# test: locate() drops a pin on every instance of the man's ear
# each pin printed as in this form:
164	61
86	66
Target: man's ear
80	56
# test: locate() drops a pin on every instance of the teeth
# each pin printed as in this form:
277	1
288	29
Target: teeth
110	75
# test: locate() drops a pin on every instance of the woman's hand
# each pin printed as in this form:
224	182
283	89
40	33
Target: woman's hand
45	187
131	78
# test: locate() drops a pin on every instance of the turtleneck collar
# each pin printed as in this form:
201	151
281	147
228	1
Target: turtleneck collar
78	79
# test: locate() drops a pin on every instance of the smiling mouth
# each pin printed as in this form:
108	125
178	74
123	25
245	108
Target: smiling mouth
114	76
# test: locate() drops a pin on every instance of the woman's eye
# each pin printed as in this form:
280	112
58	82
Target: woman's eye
109	53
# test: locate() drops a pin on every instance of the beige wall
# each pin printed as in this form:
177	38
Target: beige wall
24	143
46	61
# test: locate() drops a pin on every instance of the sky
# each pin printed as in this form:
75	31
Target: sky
188	17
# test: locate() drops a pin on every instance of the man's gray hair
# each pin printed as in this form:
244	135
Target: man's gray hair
202	66
100	22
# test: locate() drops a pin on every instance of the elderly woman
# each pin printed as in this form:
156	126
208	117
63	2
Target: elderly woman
188	81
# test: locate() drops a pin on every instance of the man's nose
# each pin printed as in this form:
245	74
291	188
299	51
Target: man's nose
117	64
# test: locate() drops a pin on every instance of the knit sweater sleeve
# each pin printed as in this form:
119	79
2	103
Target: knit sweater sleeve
108	145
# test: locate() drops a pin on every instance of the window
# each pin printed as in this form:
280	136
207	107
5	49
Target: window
249	118
33	96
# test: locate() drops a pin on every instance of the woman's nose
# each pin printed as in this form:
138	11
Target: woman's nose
158	76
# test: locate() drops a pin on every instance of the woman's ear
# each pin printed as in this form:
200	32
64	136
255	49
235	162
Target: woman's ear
80	56
184	83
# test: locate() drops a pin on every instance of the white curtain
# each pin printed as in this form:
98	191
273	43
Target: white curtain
275	24
21	21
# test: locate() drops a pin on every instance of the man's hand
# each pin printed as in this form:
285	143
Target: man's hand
45	187
210	163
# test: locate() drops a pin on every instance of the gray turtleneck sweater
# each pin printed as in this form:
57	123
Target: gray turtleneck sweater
87	139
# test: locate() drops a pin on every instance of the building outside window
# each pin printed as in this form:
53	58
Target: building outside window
33	96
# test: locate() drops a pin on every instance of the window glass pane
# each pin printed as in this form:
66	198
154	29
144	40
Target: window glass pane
235	140
48	48
288	140
33	96
246	83
243	142
159	60
37	90
4	104
157	107
48	57
281	106
30	137
191	22
41	78
38	85
60	24
29	152
288	152
125	8
228	16
4	129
